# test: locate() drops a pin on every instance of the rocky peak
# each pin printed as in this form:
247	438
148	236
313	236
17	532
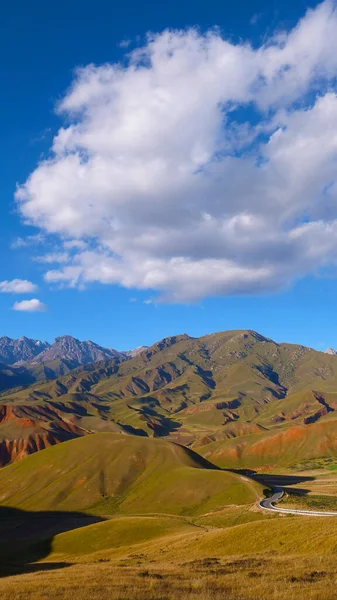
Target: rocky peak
69	348
135	351
19	350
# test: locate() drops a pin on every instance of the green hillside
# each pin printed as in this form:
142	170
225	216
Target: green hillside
119	532
109	473
234	396
149	558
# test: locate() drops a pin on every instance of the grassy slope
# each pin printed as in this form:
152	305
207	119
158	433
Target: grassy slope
109	473
248	578
118	533
148	558
281	535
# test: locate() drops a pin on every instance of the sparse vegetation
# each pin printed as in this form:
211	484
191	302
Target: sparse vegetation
310	502
165	523
250	579
250	561
236	397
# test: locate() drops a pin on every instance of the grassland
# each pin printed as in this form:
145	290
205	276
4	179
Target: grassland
171	527
244	578
311	502
310	485
129	558
282	536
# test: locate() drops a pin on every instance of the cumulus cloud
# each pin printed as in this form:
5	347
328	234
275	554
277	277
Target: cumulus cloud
200	167
33	305
17	286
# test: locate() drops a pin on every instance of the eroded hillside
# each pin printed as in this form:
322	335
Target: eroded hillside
236	396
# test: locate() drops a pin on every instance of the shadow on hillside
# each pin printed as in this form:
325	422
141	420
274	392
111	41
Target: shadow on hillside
26	537
282	481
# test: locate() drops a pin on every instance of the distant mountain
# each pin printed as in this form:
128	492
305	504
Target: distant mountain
23	349
67	349
330	351
78	353
135	351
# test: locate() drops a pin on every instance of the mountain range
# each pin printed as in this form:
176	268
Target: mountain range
23	349
64	348
28	360
238	397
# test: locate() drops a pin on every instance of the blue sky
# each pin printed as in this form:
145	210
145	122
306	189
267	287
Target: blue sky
152	282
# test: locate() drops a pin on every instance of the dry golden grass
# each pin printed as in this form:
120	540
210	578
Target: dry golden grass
249	577
237	553
281	536
276	559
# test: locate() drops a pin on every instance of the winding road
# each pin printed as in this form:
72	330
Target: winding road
269	504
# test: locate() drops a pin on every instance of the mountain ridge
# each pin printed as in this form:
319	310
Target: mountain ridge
28	350
80	352
23	349
234	394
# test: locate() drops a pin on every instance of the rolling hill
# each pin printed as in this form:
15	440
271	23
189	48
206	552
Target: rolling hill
112	473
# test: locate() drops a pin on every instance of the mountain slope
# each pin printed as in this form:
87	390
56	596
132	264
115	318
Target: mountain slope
111	473
79	353
14	377
24	430
135	351
220	393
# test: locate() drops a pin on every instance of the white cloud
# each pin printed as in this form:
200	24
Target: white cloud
30	240
75	244
53	257
33	305
17	286
199	168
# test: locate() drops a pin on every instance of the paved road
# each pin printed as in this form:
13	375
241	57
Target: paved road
269	504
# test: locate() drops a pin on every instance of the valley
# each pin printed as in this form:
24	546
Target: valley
141	475
168	343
